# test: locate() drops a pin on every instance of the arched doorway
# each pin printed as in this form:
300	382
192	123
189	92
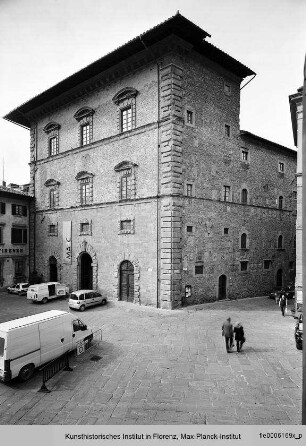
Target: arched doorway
279	278
85	271
53	269
222	287
127	281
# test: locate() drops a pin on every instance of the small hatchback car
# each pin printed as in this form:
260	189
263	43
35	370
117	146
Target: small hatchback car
19	288
81	299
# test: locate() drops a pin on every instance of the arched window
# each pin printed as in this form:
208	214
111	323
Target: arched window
243	241
85	184
125	99
126	180
85	117
280	242
280	202
244	196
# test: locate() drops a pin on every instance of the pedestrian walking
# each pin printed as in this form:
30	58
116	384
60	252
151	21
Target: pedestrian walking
228	333
283	304
239	336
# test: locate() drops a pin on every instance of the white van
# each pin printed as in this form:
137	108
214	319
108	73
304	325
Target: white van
28	342
42	292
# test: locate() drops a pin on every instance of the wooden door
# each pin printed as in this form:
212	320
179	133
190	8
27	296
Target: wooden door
127	281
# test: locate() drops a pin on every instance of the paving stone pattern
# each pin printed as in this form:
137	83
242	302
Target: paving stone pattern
166	367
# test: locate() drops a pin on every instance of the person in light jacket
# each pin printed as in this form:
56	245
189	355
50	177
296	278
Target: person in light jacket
228	332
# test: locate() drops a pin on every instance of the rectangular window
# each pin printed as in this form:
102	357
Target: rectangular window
19	235
52	229
126	225
225	231
85	134
245	155
126	119
1	346
85	192
52	198
1	238
85	227
227	89
2	208
18	209
198	270
125	190
189	189
226	193
227	130
294	195
267	264
189	116
189	229
244	266
281	167
53	146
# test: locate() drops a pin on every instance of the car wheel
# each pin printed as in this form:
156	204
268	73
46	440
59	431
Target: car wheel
103	302
45	300
82	307
26	372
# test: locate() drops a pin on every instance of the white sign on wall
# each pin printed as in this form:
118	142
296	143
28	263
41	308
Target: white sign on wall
67	253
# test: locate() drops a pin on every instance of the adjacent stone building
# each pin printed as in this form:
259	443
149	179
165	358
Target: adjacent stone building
146	188
14	234
296	108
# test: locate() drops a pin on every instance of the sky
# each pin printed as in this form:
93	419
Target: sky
44	41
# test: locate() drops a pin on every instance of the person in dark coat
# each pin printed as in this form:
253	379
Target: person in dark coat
239	336
283	304
228	332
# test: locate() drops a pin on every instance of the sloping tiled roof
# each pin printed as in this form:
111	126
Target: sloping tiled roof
9	191
249	135
176	25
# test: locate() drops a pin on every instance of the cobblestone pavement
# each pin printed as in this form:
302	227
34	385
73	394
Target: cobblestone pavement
166	367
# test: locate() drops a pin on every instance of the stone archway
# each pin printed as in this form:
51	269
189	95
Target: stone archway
86	248
55	262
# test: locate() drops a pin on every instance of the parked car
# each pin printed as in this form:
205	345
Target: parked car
18	288
298	332
288	291
81	299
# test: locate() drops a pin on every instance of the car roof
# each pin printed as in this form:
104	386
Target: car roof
78	292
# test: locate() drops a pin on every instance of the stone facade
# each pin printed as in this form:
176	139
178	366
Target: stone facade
14	235
145	194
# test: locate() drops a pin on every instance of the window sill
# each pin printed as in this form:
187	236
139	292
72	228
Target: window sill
52	235
85	233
